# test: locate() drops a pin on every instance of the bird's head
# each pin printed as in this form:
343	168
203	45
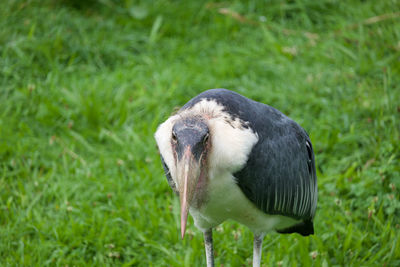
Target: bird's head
190	140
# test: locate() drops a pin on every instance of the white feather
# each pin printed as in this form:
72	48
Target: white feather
223	193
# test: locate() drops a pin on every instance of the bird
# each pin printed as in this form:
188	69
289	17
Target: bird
228	157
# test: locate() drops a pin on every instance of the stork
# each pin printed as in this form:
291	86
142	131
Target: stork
229	157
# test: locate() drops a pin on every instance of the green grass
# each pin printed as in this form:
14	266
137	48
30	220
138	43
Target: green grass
84	86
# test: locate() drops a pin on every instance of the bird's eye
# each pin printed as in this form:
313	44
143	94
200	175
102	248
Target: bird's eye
205	140
173	137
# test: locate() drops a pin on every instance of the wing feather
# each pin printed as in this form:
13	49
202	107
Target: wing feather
294	183
168	175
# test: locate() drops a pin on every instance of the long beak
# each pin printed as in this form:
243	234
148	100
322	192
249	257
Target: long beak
188	176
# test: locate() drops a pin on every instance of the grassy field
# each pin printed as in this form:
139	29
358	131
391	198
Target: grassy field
83	86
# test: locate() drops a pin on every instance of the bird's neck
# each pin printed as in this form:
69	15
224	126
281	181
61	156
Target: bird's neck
200	197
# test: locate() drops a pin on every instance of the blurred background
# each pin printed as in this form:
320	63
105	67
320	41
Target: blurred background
84	84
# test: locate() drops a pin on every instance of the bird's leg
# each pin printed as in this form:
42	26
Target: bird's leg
258	239
208	242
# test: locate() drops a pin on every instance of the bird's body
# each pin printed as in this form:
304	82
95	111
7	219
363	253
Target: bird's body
226	201
229	157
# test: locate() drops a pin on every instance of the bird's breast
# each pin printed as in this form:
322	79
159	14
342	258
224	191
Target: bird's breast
224	200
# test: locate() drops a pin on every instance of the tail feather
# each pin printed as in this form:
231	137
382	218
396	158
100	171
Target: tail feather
304	228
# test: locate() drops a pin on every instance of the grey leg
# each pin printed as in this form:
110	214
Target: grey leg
208	242
258	239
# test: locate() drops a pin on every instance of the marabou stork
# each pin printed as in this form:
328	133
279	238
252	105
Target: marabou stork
229	157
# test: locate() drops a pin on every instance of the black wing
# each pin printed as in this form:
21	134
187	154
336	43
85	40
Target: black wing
279	176
168	175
